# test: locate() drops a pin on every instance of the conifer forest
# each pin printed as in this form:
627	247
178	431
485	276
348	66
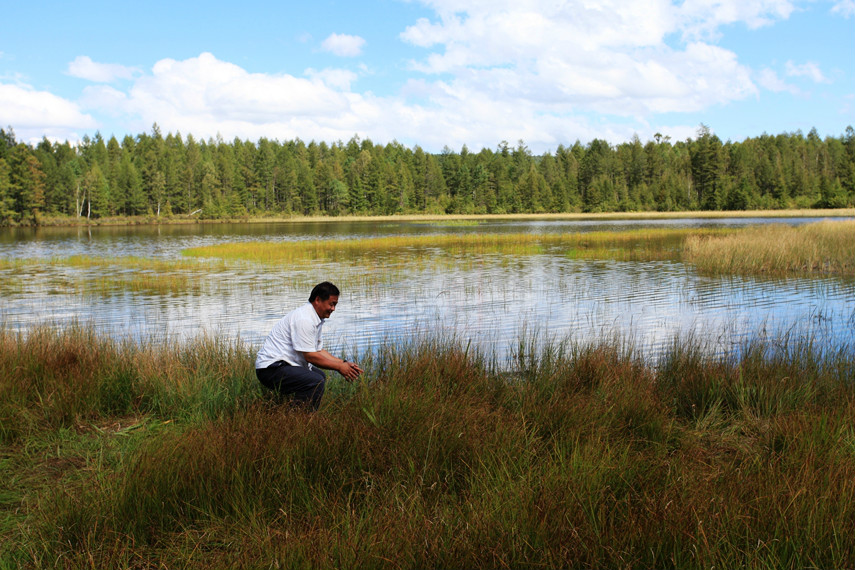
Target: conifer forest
168	176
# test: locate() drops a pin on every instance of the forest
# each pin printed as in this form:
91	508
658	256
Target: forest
167	177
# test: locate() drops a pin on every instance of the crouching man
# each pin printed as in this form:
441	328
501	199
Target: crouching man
292	356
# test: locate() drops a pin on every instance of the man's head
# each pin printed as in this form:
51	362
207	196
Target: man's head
324	298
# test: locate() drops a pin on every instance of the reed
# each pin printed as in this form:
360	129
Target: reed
653	243
822	248
573	454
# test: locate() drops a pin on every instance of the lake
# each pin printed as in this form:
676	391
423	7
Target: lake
485	300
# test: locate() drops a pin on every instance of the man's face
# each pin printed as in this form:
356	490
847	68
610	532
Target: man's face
325	308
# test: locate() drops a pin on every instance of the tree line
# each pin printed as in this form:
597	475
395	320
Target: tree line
166	176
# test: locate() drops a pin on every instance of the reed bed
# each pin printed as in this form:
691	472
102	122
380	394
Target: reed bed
660	243
824	248
571	455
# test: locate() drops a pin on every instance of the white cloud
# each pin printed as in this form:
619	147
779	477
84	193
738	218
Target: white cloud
204	96
704	17
573	56
35	114
343	45
769	80
845	8
84	68
810	70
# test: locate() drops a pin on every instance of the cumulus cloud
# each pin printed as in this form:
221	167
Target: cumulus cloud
84	68
205	96
573	56
343	45
35	114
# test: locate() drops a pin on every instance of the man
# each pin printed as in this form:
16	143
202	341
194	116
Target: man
292	355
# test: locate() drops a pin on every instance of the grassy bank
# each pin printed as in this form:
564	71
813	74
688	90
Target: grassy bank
585	455
59	221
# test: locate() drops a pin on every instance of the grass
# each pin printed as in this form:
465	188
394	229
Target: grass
573	455
818	248
652	243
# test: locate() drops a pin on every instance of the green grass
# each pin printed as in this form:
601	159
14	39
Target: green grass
576	455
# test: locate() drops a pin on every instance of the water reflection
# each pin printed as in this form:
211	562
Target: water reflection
486	299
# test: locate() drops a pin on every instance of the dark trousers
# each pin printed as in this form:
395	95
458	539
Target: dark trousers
303	386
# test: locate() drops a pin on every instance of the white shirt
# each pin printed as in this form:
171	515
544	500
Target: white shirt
297	332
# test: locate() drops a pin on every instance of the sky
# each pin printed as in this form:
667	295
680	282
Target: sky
428	73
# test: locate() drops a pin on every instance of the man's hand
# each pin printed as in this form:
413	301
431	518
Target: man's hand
324	359
349	370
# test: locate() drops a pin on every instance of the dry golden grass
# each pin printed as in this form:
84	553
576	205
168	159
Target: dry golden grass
820	248
657	243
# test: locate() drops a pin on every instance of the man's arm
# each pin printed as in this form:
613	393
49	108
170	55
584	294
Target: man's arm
324	359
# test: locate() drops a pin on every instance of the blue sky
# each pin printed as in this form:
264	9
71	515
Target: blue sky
431	73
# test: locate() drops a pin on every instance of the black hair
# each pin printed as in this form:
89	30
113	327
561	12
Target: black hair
324	291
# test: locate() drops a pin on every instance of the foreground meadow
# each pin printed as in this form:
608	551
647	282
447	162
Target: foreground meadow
168	455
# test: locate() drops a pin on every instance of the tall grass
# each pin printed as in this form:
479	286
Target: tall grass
577	455
818	248
51	378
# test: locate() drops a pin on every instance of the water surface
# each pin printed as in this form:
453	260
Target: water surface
485	299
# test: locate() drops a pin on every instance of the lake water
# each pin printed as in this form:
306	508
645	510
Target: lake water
486	300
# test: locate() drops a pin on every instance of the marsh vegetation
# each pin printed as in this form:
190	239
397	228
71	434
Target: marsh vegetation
124	455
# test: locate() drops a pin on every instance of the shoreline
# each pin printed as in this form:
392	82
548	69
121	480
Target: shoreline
703	214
